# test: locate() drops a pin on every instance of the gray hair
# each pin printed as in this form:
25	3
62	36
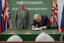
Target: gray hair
36	16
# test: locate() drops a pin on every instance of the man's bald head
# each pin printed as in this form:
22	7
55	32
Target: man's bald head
37	17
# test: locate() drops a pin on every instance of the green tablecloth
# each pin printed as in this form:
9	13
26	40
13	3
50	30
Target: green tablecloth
28	34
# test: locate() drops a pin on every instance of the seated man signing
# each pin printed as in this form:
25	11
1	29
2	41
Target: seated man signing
42	21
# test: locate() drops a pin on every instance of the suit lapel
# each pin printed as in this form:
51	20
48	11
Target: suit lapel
20	12
24	12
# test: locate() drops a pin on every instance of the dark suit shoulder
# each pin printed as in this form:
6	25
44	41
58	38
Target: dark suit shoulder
44	16
18	10
26	10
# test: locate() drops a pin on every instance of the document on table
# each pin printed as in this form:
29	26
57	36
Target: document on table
36	29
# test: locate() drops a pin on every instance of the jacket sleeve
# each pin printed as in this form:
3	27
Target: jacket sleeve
34	23
16	16
28	19
48	22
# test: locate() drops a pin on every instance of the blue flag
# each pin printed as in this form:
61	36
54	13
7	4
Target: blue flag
2	28
62	20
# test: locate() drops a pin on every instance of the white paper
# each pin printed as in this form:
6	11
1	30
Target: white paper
36	29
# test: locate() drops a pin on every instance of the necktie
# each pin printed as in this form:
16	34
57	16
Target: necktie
22	13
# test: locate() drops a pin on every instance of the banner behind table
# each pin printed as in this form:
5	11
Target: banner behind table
35	6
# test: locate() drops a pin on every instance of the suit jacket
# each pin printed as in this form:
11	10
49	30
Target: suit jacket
44	22
20	21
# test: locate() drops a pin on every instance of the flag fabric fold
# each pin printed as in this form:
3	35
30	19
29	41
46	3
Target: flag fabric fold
54	12
62	20
6	11
4	15
2	27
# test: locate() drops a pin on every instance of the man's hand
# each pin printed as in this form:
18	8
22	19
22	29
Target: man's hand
33	27
41	28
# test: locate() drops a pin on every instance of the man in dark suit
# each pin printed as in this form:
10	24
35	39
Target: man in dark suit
41	20
22	19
